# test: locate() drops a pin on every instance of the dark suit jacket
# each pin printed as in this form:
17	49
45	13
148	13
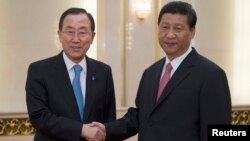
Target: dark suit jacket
196	95
52	105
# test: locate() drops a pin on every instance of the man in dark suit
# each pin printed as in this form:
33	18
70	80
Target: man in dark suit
53	108
196	95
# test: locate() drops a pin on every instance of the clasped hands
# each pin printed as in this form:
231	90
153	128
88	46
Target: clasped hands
94	131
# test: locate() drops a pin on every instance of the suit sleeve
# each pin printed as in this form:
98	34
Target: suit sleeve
41	117
128	125
215	101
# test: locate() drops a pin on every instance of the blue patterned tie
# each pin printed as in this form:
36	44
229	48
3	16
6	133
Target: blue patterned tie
77	89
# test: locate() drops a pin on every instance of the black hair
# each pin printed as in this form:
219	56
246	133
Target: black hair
179	7
75	11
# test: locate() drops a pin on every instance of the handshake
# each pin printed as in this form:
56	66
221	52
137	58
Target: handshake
94	131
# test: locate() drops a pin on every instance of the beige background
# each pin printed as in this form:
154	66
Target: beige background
28	33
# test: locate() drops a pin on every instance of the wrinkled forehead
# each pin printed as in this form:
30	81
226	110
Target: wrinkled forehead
76	21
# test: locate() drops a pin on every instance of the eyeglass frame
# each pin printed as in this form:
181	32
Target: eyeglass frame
79	34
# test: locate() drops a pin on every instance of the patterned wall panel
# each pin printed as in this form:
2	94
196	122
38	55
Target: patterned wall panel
10	126
16	126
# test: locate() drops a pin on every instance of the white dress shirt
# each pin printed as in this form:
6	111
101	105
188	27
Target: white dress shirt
70	67
175	62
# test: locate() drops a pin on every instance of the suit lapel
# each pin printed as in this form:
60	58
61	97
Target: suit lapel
90	83
64	83
155	80
181	73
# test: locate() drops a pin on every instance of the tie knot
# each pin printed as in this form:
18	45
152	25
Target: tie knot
169	67
77	69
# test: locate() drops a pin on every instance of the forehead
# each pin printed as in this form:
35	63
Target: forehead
76	21
169	18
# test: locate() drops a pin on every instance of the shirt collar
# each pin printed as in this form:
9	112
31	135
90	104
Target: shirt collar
177	61
70	64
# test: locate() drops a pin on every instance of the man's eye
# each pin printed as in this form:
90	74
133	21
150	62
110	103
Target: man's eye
178	29
81	34
70	32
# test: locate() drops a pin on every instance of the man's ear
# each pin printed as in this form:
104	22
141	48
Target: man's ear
93	36
59	33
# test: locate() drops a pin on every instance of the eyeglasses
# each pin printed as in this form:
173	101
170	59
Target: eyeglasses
80	34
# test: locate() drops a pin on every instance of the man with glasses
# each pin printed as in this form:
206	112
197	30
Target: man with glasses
69	90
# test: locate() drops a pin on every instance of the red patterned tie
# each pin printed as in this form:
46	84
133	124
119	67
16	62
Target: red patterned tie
164	80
